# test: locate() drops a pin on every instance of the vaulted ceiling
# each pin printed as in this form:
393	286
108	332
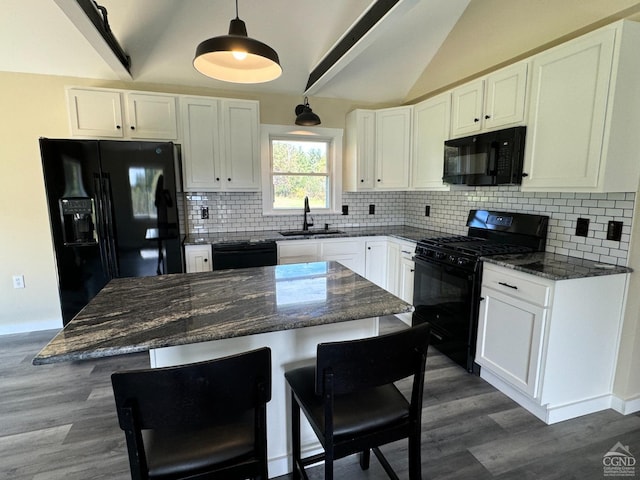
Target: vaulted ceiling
418	46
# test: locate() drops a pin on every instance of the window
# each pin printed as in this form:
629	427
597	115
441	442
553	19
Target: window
301	163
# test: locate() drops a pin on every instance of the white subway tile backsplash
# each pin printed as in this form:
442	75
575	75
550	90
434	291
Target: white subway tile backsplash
234	212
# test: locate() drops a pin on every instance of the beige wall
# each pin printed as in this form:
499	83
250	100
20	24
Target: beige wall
34	106
493	33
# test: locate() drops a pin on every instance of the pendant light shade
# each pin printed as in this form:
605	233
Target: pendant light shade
236	57
305	116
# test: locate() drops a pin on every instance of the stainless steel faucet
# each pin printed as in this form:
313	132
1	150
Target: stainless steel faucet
307	222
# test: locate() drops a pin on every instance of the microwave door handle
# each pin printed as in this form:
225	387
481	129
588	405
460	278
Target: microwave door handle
493	154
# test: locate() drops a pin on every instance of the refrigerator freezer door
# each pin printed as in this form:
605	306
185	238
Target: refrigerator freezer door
70	169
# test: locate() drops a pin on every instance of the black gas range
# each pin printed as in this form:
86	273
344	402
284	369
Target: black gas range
448	274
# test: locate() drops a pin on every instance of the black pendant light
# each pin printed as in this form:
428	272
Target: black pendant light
305	116
236	57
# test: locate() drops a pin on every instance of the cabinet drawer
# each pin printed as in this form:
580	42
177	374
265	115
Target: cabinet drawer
522	286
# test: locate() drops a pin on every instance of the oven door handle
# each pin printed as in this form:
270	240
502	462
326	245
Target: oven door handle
447	268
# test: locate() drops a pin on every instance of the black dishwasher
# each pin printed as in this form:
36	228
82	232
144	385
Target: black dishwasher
244	255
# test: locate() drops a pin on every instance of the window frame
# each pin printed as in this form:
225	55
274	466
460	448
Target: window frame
333	137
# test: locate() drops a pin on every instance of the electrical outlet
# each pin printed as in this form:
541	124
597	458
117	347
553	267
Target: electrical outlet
614	231
204	213
345	209
427	210
372	209
582	227
18	281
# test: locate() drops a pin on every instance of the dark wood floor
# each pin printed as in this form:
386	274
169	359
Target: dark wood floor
58	422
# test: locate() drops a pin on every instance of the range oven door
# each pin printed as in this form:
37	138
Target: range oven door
443	295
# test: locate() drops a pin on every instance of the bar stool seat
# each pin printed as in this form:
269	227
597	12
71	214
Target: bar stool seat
385	405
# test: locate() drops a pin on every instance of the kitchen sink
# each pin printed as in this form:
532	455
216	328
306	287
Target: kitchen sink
299	233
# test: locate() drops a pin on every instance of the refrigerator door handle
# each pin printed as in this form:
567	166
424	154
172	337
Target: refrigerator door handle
103	243
108	220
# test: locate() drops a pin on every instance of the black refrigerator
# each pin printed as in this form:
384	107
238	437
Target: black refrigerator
113	213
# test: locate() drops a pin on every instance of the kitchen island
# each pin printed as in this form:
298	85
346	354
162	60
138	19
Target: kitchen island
184	318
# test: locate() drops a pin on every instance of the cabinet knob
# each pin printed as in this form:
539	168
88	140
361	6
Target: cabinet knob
205	260
487	117
481	299
368	248
362	180
476	120
379	180
412	270
229	179
217	179
133	127
524	174
118	127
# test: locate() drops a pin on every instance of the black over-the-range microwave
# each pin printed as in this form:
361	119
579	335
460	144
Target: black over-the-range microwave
493	158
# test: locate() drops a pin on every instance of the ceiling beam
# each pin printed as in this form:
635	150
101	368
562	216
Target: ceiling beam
365	30
93	26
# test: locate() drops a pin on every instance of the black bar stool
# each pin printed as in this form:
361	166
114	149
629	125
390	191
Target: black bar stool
201	420
352	404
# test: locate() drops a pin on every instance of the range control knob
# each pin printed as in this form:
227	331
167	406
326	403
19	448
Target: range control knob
440	255
452	258
463	261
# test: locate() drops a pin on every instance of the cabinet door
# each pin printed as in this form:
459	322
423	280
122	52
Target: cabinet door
152	116
393	147
201	145
567	112
198	258
95	113
358	165
349	252
376	262
431	127
509	339
505	97
466	114
393	267
407	273
298	251
242	145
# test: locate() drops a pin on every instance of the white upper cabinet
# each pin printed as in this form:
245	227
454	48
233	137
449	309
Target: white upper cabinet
151	116
393	148
584	114
378	149
99	113
201	151
431	127
494	101
240	120
221	146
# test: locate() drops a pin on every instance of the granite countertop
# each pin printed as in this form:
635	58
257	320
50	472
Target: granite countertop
399	231
554	266
138	314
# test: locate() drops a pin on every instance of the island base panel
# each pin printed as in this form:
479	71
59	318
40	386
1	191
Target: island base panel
289	349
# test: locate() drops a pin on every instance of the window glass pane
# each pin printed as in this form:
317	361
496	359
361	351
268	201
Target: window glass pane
289	191
291	156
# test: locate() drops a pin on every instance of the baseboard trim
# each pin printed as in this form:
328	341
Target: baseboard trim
27	327
546	413
626	407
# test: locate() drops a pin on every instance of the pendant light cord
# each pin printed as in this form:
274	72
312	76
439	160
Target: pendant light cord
237	17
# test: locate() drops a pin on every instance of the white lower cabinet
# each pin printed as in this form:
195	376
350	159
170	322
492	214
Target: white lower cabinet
198	258
375	257
550	345
348	251
298	251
